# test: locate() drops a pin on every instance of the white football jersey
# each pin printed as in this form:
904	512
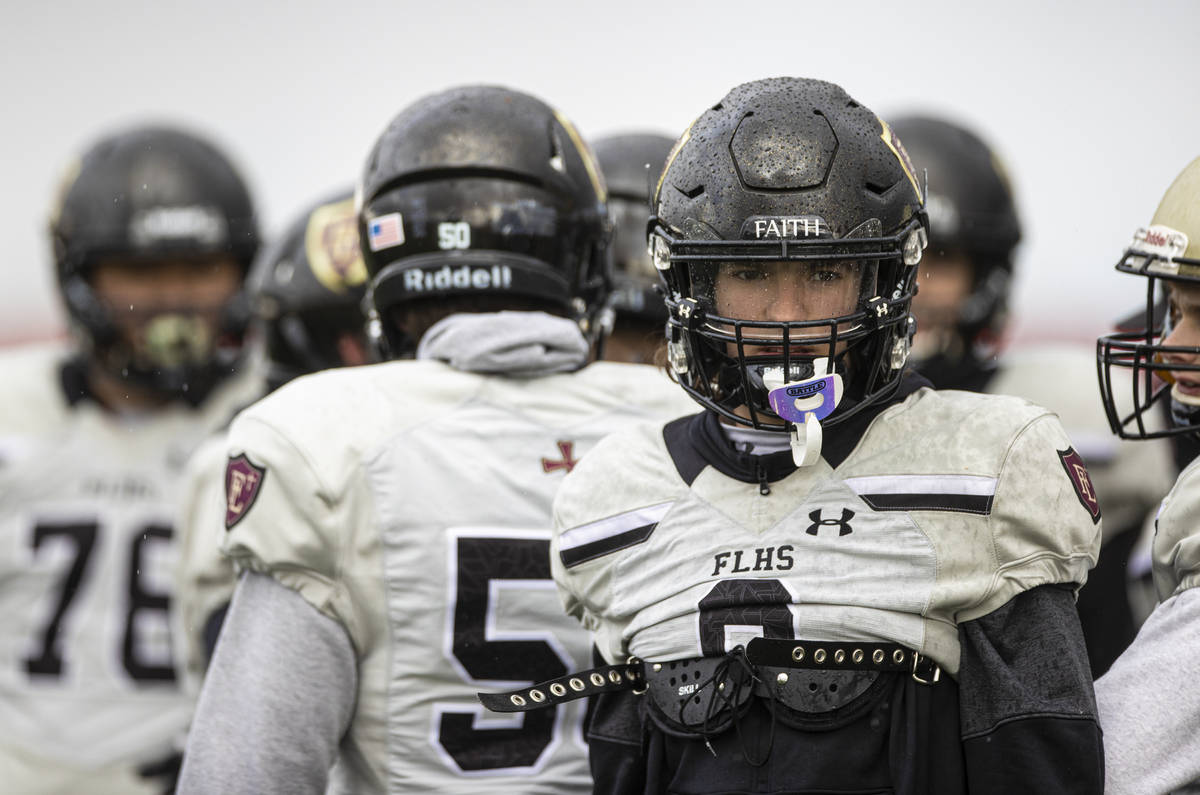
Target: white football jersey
411	503
949	505
1176	550
1130	476
88	688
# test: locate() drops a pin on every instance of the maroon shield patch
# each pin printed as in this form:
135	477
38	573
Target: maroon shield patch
1077	472
242	482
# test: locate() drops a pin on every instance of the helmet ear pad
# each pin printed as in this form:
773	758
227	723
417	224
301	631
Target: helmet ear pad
90	319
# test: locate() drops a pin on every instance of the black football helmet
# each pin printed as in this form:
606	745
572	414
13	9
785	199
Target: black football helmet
153	194
1165	253
795	173
972	213
478	191
631	163
307	289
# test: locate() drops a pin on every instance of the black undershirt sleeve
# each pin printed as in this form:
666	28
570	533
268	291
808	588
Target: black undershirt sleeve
1028	711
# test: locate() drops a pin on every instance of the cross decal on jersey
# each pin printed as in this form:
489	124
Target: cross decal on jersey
565	449
843	524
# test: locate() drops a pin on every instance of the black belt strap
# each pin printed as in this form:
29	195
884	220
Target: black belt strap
567	688
767	652
830	656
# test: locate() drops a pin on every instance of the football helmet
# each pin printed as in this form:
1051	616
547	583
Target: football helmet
631	163
788	183
1165	253
479	191
154	195
307	289
973	215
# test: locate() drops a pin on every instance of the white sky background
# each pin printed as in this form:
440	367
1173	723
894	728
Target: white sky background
1095	106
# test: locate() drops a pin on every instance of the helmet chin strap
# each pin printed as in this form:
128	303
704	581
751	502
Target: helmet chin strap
803	404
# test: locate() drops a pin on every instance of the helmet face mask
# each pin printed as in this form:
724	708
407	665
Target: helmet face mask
834	235
165	317
725	331
1157	254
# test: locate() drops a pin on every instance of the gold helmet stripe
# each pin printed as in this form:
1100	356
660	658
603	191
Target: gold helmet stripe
585	152
683	139
893	142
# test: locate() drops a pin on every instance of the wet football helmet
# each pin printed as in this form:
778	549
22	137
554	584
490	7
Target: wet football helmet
307	289
972	215
154	195
480	191
1165	253
794	180
631	163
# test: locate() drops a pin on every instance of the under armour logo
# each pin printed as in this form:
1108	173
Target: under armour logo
843	524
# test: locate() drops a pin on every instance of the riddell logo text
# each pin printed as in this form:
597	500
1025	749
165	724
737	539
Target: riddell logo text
464	277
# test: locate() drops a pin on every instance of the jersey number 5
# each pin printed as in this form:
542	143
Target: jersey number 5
485	566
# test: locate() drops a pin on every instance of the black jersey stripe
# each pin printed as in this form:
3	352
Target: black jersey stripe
581	554
958	503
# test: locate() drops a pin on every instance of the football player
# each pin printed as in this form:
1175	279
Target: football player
1147	700
961	311
306	292
631	163
833	578
152	238
394	520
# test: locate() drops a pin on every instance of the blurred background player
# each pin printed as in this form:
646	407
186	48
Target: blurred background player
961	308
631	163
152	240
1149	707
966	274
306	289
394	520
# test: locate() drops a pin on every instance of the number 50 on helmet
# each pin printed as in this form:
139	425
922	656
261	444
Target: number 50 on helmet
788	226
